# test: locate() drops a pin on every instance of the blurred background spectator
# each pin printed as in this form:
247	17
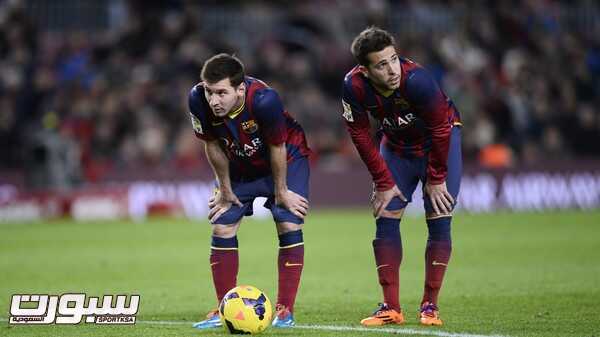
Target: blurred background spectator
89	89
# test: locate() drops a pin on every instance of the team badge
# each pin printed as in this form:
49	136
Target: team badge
249	126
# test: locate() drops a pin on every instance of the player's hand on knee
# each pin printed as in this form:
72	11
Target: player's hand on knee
211	201
381	199
441	200
220	203
226	196
293	202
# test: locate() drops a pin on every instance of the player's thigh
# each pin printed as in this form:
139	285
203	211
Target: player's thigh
454	174
234	214
246	193
298	176
225	231
455	163
405	176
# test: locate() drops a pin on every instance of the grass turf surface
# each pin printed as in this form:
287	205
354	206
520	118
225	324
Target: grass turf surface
510	274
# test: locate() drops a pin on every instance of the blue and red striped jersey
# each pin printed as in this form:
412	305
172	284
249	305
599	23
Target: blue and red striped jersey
245	137
414	120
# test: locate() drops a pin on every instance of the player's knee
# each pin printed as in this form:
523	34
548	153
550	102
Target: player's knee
395	214
439	228
224	231
286	227
432	215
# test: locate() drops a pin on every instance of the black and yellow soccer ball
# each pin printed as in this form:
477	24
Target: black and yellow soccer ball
245	310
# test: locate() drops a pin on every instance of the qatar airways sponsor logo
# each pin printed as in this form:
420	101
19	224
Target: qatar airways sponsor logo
244	150
72	309
399	122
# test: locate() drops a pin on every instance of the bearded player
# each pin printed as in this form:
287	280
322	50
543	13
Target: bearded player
256	149
420	133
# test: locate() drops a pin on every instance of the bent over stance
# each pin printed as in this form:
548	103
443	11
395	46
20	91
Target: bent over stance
420	130
256	149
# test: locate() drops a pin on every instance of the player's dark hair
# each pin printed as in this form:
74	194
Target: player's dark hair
222	66
372	39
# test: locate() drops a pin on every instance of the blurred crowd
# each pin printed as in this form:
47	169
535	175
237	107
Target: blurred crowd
87	101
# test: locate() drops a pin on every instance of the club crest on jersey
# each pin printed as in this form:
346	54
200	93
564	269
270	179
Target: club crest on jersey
249	126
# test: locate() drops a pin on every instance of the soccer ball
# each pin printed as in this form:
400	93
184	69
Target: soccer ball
245	310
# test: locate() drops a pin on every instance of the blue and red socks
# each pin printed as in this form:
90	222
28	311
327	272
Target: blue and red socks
437	256
387	247
290	263
224	263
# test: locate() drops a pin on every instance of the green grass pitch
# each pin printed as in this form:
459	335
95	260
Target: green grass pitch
533	274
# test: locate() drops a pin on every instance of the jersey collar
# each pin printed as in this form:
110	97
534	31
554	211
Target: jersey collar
234	113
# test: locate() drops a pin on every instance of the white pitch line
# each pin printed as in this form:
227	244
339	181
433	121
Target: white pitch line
398	331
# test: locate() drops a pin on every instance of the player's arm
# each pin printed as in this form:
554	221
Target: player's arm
270	114
359	128
424	92
294	202
224	197
217	159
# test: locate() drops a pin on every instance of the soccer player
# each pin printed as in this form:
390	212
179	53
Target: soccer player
256	149
420	141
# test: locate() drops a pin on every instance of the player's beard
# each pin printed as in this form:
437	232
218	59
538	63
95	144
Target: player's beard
394	83
386	85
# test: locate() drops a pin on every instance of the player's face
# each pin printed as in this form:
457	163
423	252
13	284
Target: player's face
223	97
384	68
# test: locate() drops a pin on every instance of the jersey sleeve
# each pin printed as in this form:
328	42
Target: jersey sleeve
269	111
358	126
426	96
200	123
